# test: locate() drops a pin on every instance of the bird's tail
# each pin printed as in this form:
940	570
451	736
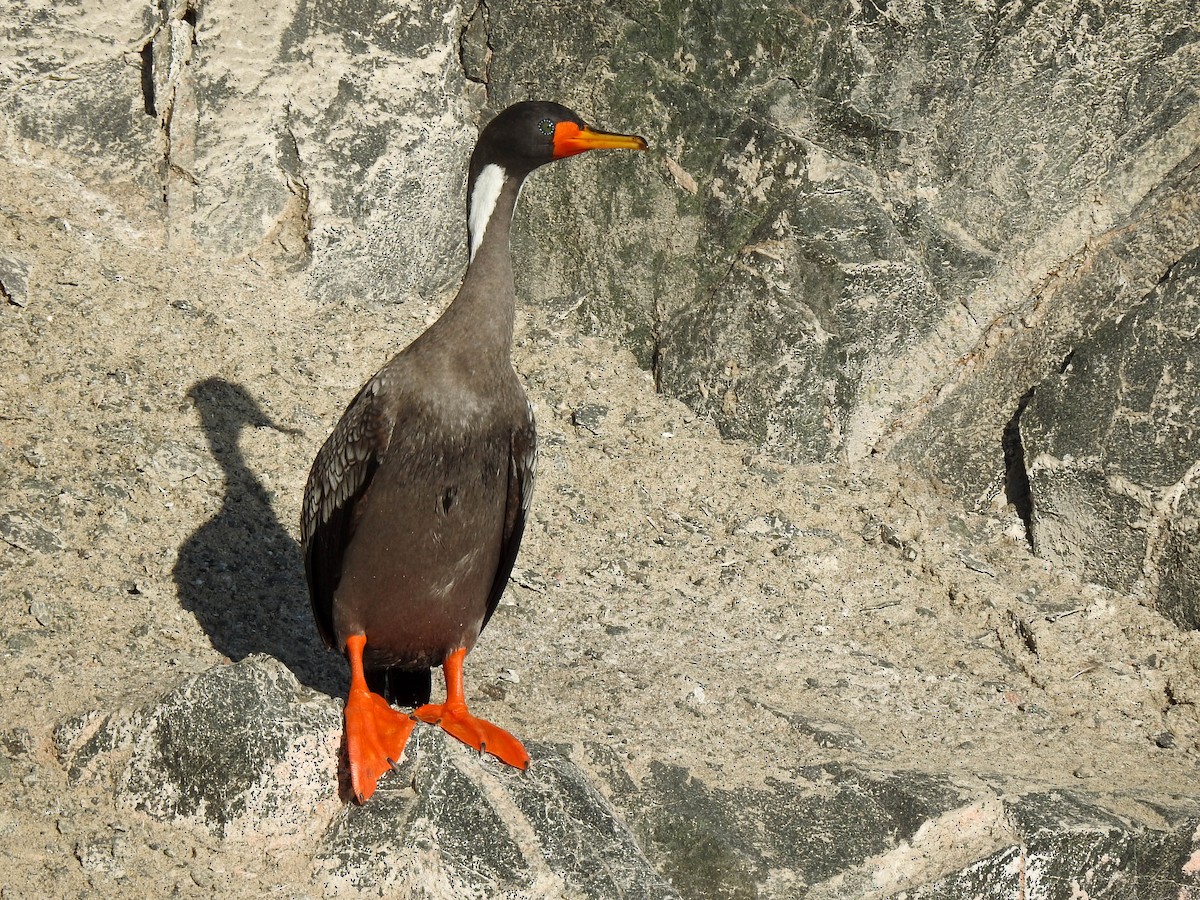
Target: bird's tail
402	687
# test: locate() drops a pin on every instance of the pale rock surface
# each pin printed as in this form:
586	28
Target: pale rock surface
759	650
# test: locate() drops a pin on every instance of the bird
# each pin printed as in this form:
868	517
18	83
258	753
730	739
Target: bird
416	503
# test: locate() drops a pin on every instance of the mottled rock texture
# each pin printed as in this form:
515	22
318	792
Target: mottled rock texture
245	751
241	749
958	236
869	229
14	280
1068	846
1112	448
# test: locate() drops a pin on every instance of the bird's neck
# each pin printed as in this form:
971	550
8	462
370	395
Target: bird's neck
491	200
486	303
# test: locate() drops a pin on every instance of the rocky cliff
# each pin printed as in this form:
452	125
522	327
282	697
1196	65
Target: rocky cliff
863	561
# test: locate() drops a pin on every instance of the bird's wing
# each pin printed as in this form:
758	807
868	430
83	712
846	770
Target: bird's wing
522	467
340	476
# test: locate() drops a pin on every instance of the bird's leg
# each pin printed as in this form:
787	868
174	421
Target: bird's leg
453	717
375	733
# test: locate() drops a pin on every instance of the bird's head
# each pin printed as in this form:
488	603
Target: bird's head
532	133
521	138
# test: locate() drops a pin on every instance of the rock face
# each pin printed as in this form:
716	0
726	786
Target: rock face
1070	847
241	749
14	281
452	825
245	751
1112	449
329	126
872	229
921	212
955	236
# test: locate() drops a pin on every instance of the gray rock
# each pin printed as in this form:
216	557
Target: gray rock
14	280
1063	271
357	160
868	237
590	417
450	824
1179	564
245	750
310	134
1112	450
241	749
839	832
21	530
714	842
75	86
1069	846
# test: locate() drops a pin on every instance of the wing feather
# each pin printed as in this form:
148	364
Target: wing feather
340	477
522	471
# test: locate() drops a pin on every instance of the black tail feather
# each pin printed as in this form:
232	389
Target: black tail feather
402	687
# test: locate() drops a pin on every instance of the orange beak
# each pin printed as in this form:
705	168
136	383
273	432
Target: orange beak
570	139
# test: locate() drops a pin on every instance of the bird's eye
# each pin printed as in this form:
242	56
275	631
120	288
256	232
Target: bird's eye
546	126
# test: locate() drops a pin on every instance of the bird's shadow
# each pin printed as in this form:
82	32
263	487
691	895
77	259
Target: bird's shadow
240	573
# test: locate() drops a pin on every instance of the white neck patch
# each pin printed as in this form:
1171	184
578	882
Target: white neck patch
488	185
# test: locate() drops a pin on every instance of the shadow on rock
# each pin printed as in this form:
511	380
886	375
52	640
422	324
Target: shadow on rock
240	573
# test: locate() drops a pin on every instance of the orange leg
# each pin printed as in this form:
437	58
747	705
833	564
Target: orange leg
454	719
375	733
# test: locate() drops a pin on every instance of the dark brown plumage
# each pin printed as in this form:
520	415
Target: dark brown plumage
416	504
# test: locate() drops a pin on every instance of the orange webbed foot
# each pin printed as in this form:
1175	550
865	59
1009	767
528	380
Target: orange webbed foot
375	733
454	718
375	739
481	734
